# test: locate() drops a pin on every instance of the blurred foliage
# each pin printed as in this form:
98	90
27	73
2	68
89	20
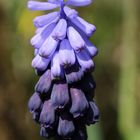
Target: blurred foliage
117	72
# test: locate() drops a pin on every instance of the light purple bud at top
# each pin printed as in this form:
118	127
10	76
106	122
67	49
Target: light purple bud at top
66	126
86	27
79	2
34	102
34	5
70	13
44	83
46	19
48	47
75	39
47	116
85	60
66	54
40	37
56	69
79	102
59	32
60	95
40	63
91	49
92	115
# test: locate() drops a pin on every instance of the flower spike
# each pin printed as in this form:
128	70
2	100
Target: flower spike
62	102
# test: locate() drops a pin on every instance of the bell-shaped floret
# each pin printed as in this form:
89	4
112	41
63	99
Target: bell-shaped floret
60	95
60	30
73	73
56	69
34	102
44	84
85	60
43	20
83	25
75	39
40	63
79	102
66	54
92	115
39	38
47	116
66	126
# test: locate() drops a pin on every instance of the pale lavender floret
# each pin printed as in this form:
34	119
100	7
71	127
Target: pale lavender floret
86	27
48	47
79	102
70	13
40	63
60	95
75	39
40	21
38	40
60	30
66	54
34	5
56	69
78	2
47	116
65	126
84	60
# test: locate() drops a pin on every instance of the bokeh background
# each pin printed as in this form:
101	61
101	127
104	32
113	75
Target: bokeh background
117	72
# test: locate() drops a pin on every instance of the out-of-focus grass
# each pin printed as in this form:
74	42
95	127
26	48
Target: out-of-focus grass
127	110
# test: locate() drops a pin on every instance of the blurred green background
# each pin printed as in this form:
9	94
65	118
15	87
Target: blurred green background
117	71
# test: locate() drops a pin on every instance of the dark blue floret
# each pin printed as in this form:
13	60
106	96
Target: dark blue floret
79	102
35	102
60	95
66	126
44	83
47	116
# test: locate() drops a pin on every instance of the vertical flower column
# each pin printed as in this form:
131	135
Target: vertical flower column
62	103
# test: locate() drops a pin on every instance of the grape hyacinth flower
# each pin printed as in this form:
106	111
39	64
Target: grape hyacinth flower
62	103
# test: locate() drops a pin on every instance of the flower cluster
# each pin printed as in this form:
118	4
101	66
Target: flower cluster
63	100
